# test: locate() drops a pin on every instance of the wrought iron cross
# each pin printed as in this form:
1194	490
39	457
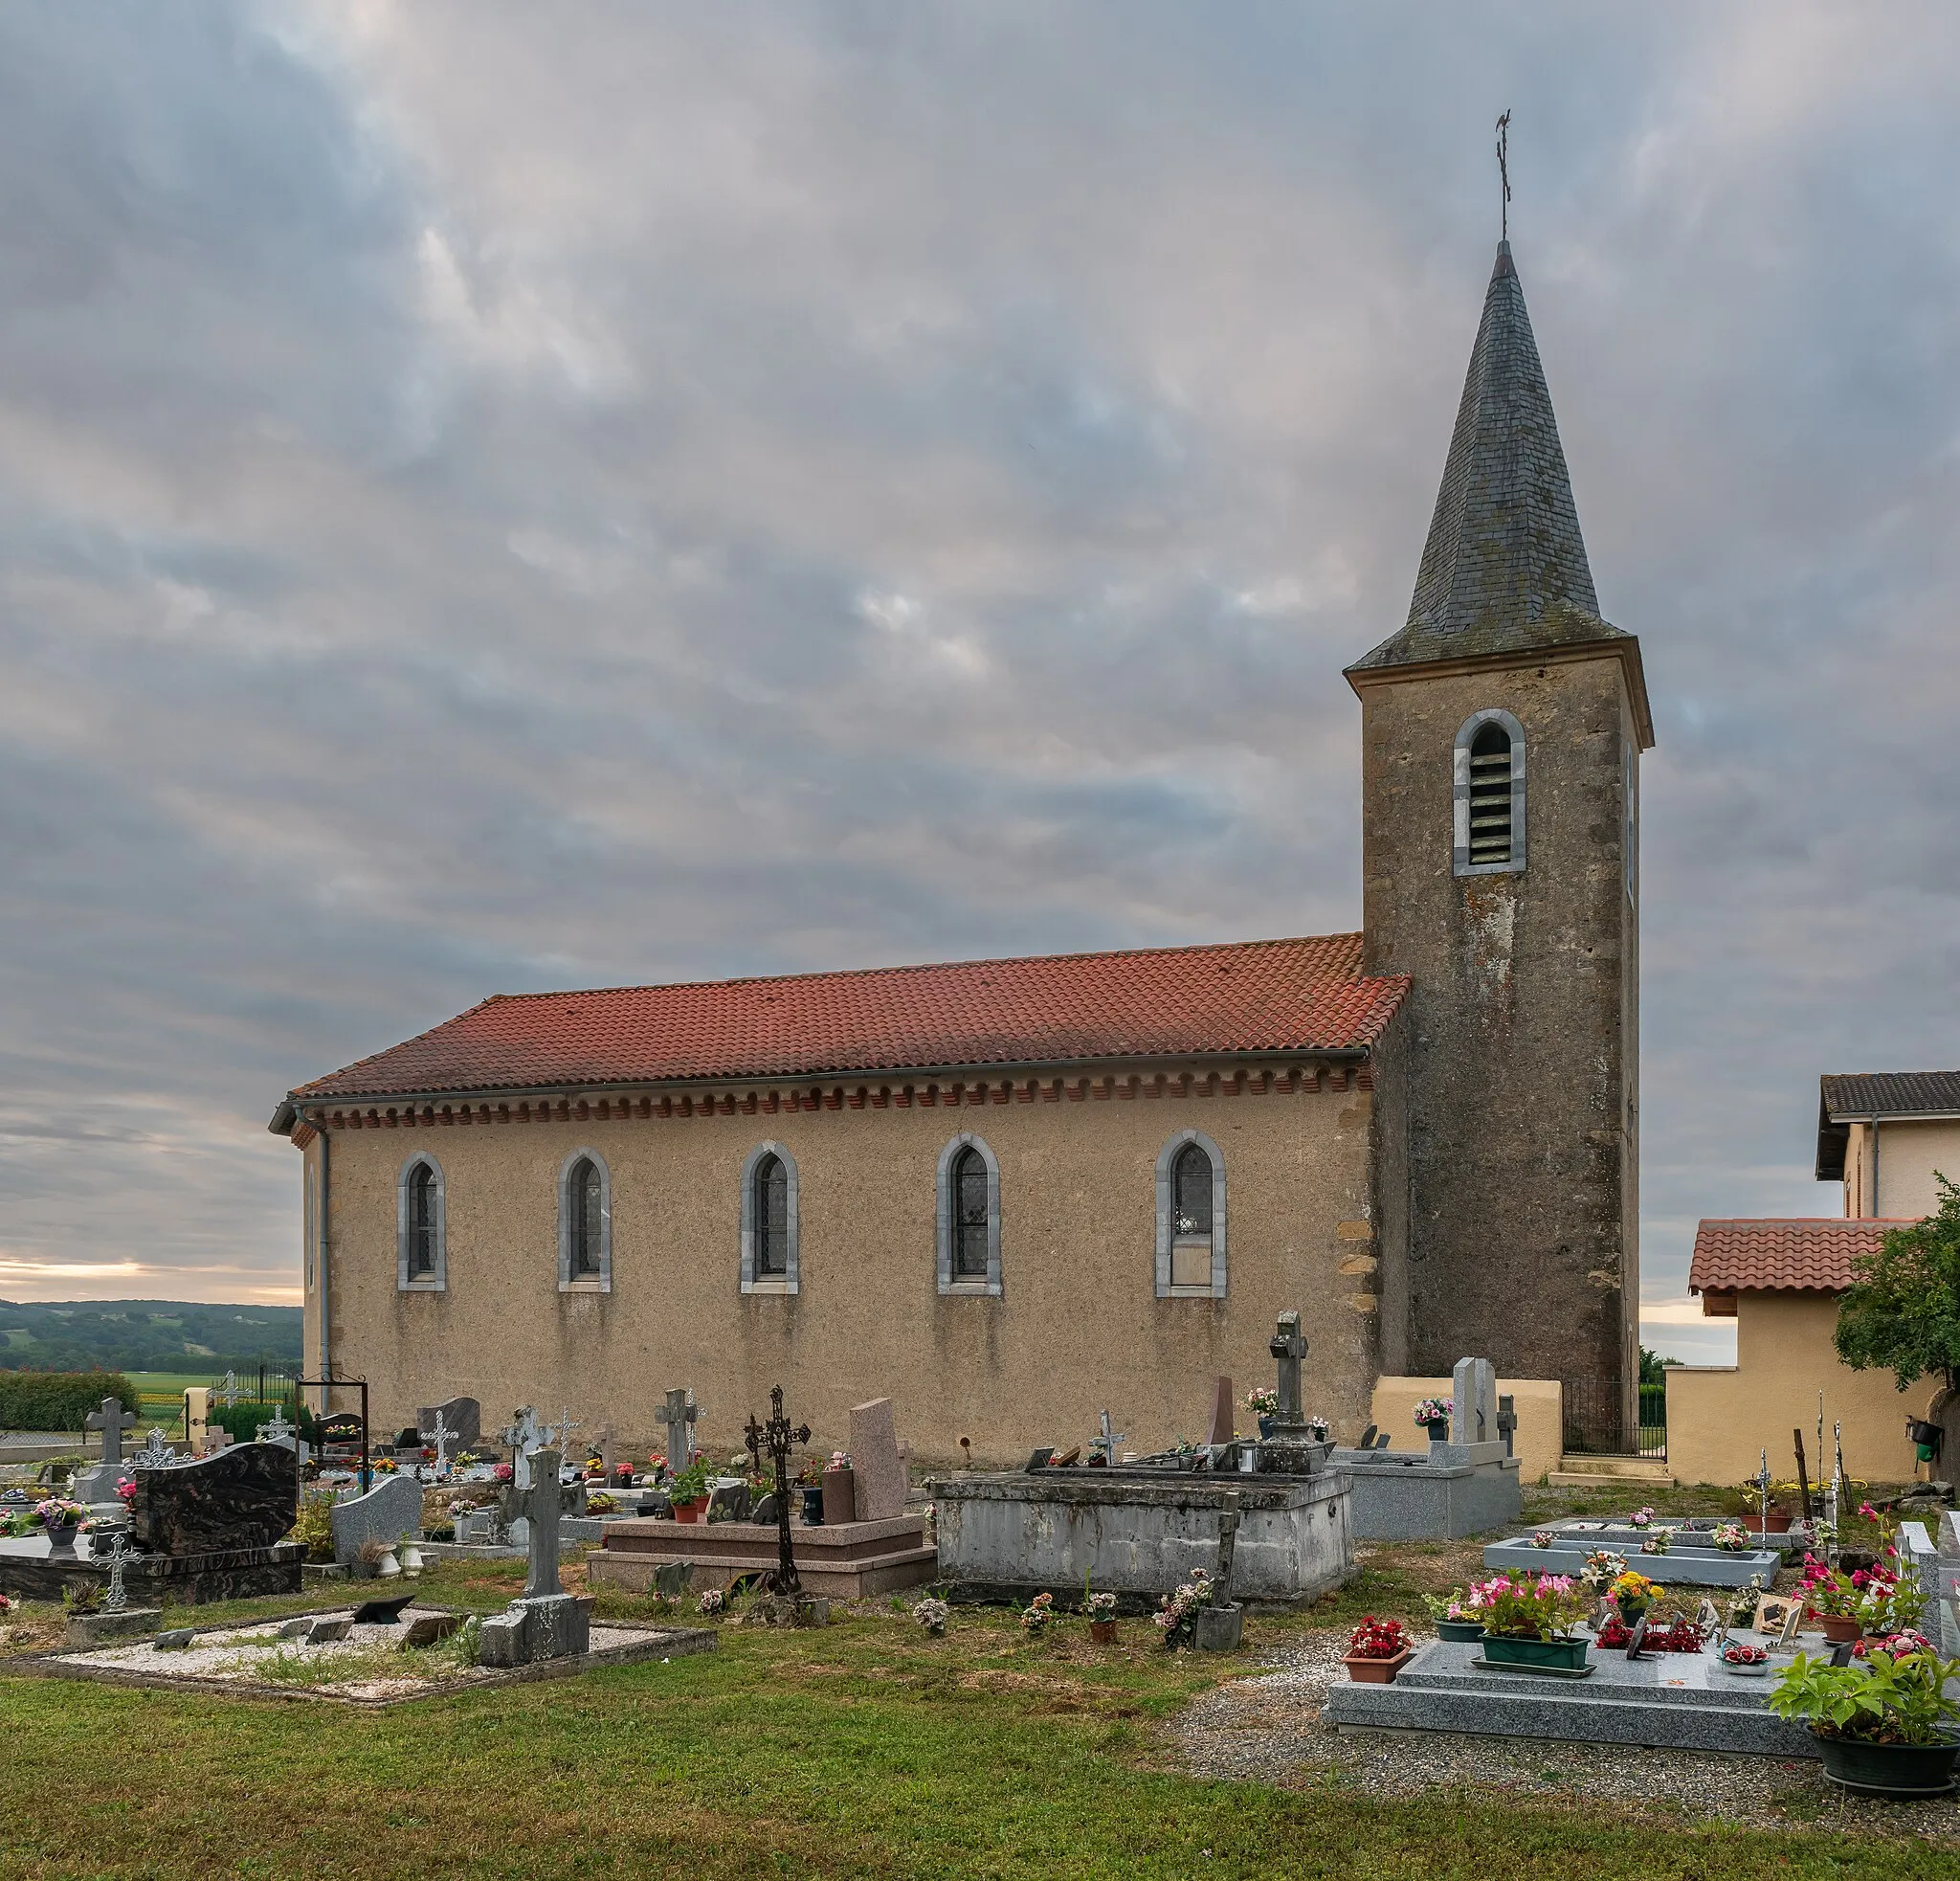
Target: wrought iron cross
775	1438
229	1391
116	1554
1763	1484
1504	172
1106	1443
154	1455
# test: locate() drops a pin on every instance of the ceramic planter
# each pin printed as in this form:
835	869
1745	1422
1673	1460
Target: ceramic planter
687	1511
1904	1770
1265	1428
1375	1672
1776	1523
62	1541
1840	1626
1462	1630
1102	1631
1537	1655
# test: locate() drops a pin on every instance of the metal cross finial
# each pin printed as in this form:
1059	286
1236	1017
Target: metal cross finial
1107	1442
1503	171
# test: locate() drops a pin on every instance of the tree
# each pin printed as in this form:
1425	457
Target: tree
1903	1309
1654	1367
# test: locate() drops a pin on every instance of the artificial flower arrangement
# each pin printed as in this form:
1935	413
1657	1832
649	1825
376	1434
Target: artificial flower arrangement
125	1490
1434	1410
56	1512
1729	1536
1377	1638
932	1615
1262	1401
1678	1635
5	1607
1908	1640
1642	1519
1633	1594
1177	1614
1659	1543
504	1472
1100	1606
1603	1567
1526	1607
1542	1538
599	1503
1036	1614
1739	1654
712	1602
386	1466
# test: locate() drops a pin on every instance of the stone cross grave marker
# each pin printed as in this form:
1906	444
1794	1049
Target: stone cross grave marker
1762	1479
541	1577
1507	1422
117	1555
112	1420
441	1435
524	1434
1106	1445
608	1447
1473	1393
1227	1547
1290	1349
679	1417
561	1438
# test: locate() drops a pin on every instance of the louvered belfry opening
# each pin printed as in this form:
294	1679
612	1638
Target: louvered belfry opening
1490	794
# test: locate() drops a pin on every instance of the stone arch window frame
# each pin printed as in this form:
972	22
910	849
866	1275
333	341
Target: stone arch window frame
1459	852
950	1283
1167	1162
588	1282
791	1279
437	1279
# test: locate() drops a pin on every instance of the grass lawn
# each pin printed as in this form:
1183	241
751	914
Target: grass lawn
866	1748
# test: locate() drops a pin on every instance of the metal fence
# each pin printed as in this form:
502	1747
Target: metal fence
256	1384
1597	1423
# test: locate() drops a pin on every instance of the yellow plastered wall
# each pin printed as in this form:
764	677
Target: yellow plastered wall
1538	1443
1078	1329
1721	1418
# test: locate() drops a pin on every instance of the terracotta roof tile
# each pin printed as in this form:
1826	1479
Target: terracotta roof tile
1801	1255
1276	995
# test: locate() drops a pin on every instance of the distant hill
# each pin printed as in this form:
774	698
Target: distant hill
147	1335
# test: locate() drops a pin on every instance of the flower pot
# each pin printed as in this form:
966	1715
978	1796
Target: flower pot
410	1559
687	1511
1904	1770
1438	1431
1102	1631
839	1496
1838	1627
1538	1655
62	1541
1461	1630
1776	1522
1220	1628
1630	1612
1375	1672
389	1568
812	1507
1265	1427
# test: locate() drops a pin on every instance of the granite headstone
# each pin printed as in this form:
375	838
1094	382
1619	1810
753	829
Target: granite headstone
461	1417
875	1458
390	1510
244	1498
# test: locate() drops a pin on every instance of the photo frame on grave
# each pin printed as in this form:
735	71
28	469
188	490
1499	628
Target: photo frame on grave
1792	1622
1638	1638
1773	1614
1709	1616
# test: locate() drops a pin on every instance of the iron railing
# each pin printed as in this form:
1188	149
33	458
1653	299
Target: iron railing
1596	1420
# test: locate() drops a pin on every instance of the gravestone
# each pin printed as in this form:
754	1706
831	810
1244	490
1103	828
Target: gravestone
461	1417
390	1510
97	1486
244	1498
679	1416
1288	1349
277	1429
1102	1446
546	1622
609	1448
1473	1418
1508	1421
1224	1426
730	1502
875	1458
523	1435
430	1629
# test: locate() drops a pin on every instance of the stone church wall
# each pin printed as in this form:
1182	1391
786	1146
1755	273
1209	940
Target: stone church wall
1077	1326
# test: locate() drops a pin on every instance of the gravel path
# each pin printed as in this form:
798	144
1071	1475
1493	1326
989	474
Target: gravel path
1268	1729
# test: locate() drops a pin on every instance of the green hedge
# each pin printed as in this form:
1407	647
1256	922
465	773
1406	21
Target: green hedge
58	1401
242	1420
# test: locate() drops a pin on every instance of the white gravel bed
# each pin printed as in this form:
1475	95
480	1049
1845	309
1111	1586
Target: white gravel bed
1268	1729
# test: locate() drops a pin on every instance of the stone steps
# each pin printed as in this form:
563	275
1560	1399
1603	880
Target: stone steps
1588	1472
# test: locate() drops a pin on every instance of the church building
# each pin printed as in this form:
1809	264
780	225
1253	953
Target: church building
1010	1193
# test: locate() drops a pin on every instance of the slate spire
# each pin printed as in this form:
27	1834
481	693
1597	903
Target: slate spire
1504	566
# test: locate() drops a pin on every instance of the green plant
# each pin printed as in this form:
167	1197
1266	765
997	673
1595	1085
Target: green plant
313	1526
1523	1607
1902	1307
1886	1699
58	1401
690	1484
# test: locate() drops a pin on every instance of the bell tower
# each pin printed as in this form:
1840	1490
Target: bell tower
1501	730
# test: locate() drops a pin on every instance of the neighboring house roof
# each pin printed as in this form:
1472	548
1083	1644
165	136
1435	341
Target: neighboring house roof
1881	1096
1800	1255
1248	997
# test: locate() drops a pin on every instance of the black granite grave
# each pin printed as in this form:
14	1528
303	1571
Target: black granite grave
244	1498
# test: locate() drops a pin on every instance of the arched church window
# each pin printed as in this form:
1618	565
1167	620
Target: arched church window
1191	1218
420	1255
968	1217
769	1220
585	1223
1489	821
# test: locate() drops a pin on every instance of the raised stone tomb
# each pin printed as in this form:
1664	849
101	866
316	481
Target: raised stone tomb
841	1561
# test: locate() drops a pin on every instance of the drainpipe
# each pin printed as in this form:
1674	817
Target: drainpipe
1875	1209
319	1268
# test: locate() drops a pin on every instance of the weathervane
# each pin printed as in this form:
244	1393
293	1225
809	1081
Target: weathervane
1503	171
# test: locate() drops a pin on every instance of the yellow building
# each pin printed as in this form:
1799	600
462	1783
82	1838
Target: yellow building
1883	1134
1780	1282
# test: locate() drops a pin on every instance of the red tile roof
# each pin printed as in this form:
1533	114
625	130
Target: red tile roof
1253	997
1803	1256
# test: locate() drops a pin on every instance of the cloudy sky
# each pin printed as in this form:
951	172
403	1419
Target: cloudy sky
499	497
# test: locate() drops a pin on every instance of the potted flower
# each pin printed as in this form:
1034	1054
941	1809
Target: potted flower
1542	1538
1884	1726
58	1519
932	1615
1433	1415
809	1486
689	1491
1264	1402
1632	1594
600	1502
1036	1614
1529	1621
1454	1619
1102	1611
1177	1613
1833	1597
1744	1660
1642	1519
1377	1649
1731	1537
